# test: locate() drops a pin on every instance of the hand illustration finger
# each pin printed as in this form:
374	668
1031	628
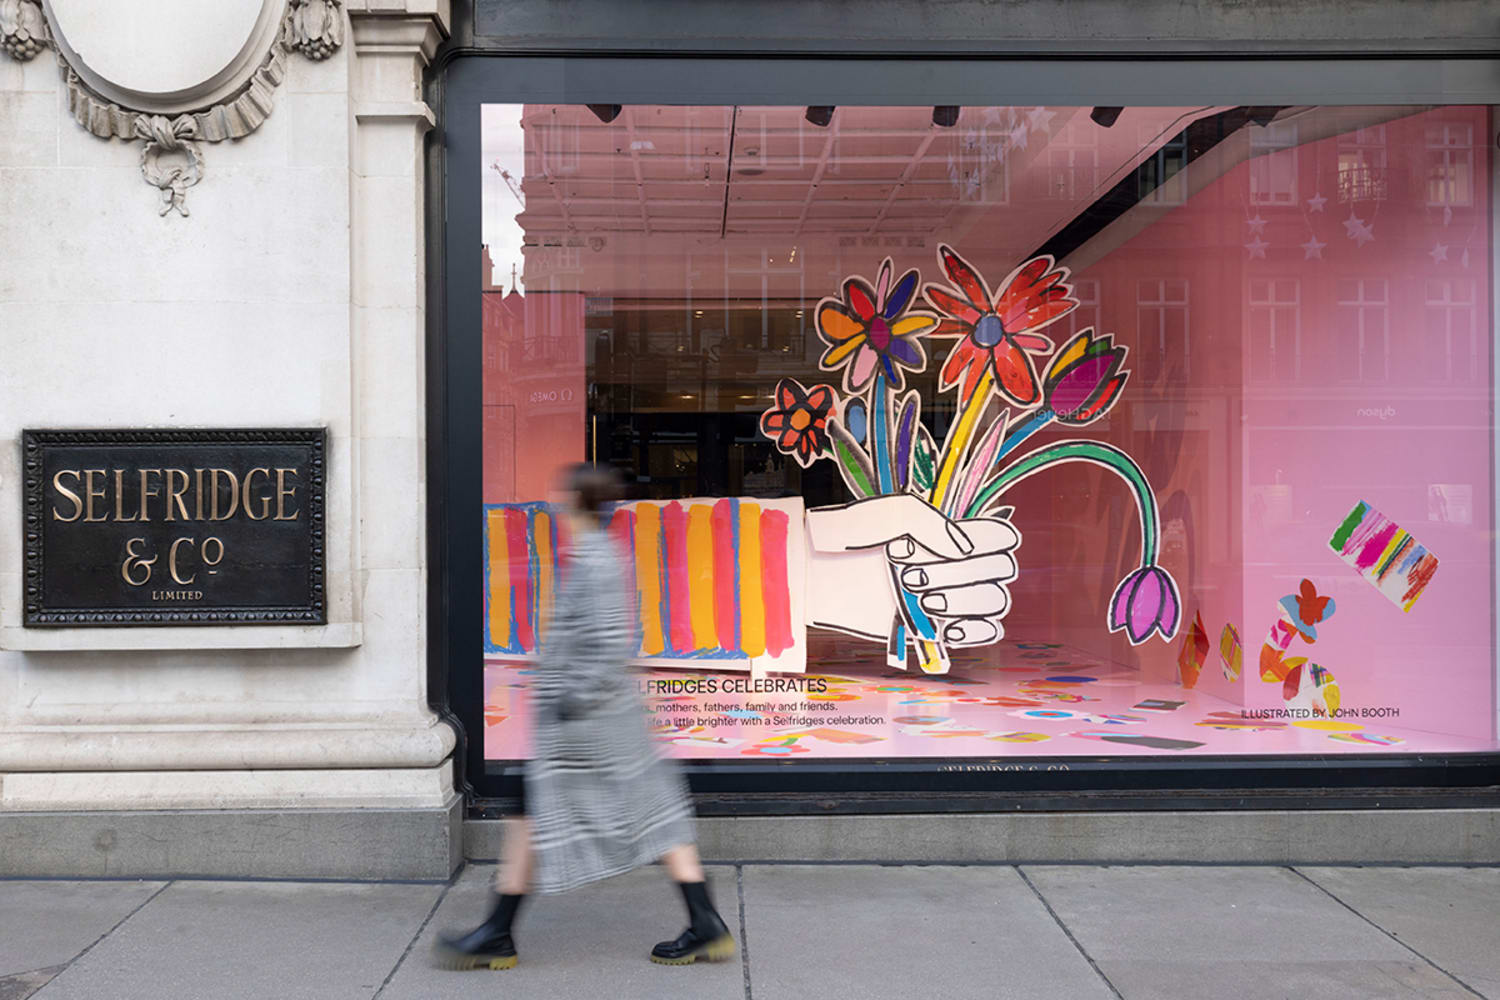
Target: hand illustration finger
978	600
875	521
991	534
999	567
973	632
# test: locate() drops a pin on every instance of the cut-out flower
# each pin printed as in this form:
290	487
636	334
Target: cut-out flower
1145	601
798	423
998	332
866	331
1084	379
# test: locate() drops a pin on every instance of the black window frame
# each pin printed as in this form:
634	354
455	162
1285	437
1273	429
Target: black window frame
462	79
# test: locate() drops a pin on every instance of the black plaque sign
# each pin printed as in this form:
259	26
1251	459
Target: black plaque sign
195	527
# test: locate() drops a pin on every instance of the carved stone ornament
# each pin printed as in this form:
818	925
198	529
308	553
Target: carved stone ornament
23	29
172	74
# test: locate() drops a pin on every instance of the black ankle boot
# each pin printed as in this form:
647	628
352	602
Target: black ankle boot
706	937
487	946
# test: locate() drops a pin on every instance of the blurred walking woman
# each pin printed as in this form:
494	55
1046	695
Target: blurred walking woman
599	799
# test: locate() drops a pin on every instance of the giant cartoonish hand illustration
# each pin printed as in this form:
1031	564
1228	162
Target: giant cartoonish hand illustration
887	563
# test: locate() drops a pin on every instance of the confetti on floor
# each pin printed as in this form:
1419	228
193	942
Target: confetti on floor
1013	700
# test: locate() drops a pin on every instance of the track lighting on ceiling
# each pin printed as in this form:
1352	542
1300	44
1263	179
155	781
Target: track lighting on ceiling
1105	117
945	115
820	114
606	113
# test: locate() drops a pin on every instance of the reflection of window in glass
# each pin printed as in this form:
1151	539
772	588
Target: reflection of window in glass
1275	329
1450	164
1073	161
561	145
1363	175
1451	347
1161	178
1086	291
979	171
1162	319
1273	164
1362	331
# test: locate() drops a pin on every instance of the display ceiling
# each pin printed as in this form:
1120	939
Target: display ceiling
615	208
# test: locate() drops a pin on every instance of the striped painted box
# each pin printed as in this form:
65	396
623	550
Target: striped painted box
717	581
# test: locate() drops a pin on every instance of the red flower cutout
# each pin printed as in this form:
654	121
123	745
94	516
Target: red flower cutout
798	423
998	332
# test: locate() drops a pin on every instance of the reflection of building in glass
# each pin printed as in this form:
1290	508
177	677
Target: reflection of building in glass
1162	320
1273	164
1362	330
1450	163
1454	347
1274	329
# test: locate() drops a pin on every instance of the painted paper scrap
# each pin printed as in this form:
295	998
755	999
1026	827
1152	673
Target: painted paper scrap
1385	554
1194	652
1231	653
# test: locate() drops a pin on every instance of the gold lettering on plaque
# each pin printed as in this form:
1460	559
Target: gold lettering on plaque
218	556
172	563
198	494
175	492
265	501
136	560
213	494
147	492
59	487
91	493
120	497
283	493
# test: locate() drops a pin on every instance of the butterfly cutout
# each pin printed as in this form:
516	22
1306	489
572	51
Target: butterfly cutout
1310	607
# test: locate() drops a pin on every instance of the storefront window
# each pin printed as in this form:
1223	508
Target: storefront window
991	432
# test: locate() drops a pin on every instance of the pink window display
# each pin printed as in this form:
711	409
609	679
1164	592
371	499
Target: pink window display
1025	437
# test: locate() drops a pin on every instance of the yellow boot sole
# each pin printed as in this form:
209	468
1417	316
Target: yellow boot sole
457	962
719	950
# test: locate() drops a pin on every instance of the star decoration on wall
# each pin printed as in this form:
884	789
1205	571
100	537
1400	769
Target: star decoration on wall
1358	230
1312	249
1257	248
1447	214
1018	136
1041	119
1316	203
1438	253
1256	224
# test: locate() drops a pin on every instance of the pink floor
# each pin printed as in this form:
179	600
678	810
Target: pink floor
1023	701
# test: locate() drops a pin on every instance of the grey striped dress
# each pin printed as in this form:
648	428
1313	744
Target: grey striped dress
600	798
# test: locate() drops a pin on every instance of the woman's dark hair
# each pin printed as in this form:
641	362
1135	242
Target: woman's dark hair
594	487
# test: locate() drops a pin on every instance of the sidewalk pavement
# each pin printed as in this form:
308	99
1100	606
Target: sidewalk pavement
806	932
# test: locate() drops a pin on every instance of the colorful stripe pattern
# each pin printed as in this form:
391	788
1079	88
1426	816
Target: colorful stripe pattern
1387	556
712	577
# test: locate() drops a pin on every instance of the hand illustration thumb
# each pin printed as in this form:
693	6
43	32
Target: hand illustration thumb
876	521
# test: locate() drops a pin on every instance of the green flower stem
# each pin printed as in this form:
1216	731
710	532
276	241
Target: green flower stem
1082	451
853	463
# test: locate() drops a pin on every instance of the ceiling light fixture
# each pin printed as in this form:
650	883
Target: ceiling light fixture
1105	117
945	115
606	113
820	114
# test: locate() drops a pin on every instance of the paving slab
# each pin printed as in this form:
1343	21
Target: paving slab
865	931
592	942
289	940
48	923
1251	933
1450	915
